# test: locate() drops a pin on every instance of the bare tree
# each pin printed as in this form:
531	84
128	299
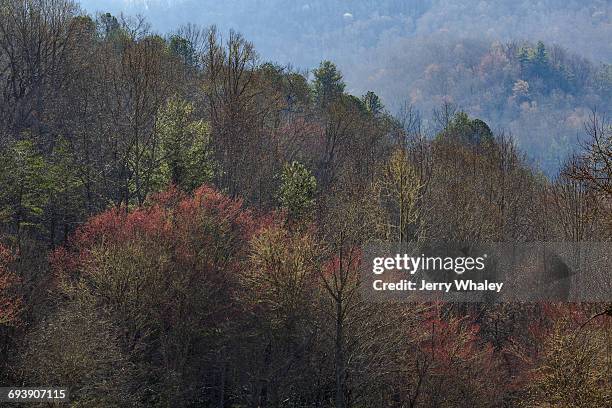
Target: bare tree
594	166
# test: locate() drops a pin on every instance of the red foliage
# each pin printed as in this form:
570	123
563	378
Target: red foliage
456	362
189	224
523	352
453	340
348	264
10	302
197	244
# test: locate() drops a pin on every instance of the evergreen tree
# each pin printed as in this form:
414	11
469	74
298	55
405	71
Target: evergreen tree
298	189
328	84
186	158
372	103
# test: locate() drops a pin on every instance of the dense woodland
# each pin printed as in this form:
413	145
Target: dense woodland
476	54
341	28
540	93
181	224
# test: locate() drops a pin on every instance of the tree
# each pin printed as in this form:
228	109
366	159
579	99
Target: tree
574	210
137	77
43	195
570	368
474	132
183	48
35	40
298	190
108	24
594	166
11	309
10	302
27	185
372	103
186	155
163	278
233	108
80	345
66	204
352	324
327	84
535	61
401	187
540	59
453	367
280	293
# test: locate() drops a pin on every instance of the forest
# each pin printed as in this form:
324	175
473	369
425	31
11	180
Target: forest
182	224
426	52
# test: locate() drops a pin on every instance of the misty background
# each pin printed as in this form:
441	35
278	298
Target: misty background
479	55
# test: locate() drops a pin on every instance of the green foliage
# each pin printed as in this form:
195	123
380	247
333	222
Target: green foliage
84	24
540	55
37	189
328	84
183	48
298	89
469	131
195	300
66	193
298	189
186	158
292	86
372	103
534	61
26	183
107	25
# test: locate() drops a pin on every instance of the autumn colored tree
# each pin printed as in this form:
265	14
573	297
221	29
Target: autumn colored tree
137	283
565	362
163	277
11	308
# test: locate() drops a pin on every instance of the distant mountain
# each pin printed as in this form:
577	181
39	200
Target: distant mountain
304	31
539	93
428	51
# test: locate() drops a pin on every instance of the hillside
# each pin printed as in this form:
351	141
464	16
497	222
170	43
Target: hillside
541	94
186	224
428	51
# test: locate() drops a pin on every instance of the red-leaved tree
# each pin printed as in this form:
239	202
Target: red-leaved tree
165	276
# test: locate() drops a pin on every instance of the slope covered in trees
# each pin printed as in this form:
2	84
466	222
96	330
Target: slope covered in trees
540	93
472	53
338	28
183	225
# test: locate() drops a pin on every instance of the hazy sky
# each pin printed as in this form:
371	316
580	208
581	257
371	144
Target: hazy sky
392	46
303	32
